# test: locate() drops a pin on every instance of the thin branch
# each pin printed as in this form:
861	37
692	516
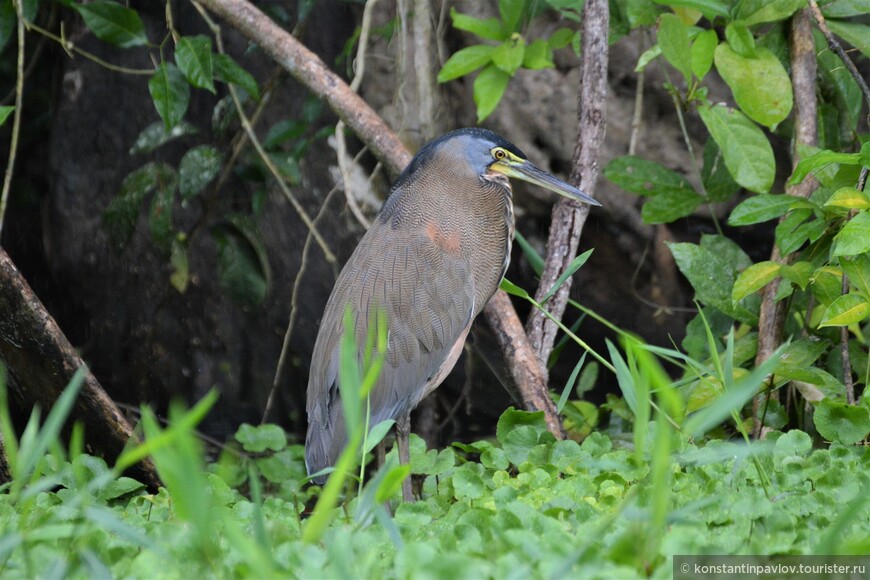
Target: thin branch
569	217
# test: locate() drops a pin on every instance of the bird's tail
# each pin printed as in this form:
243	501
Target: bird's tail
323	444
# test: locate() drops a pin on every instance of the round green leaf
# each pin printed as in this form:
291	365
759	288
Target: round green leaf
468	485
767	102
846	424
261	438
845	310
746	150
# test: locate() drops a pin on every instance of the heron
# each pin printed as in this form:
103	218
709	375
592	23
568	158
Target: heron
431	260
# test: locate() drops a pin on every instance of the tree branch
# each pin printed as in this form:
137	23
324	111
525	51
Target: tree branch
569	217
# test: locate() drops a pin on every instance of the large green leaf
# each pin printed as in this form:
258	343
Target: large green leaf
857	268
489	86
464	61
746	150
644	177
710	276
703	49
194	59
844	8
764	207
227	70
849	198
670	205
758	11
768	102
753	278
826	284
718	183
170	93
845	310
113	23
709	8
854	238
858	35
508	56
673	38
491	28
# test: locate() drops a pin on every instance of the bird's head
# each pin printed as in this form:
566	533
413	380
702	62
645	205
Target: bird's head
493	158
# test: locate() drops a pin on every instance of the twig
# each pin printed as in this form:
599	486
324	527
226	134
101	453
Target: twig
569	217
16	120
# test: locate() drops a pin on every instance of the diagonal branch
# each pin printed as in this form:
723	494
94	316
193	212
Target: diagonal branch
569	217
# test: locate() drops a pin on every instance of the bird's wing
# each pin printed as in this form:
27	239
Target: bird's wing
427	292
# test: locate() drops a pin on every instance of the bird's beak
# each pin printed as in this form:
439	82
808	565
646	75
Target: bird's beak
527	171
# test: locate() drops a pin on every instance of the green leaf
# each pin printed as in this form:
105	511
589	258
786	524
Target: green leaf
764	207
797	228
123	211
844	8
857	268
156	134
5	111
560	39
228	71
643	177
709	8
820	160
575	265
377	434
513	418
757	11
845	310
538	55
489	86
465	61
767	103
718	183
243	265
647	57
669	206
740	39
752	279
854	238
194	59
849	198
826	284
160	218
197	168
508	56
180	276
673	38
846	424
858	35
113	23
513	289
798	273
511	12
8	19
702	52
746	150
491	28
261	438
170	93
467	485
711	277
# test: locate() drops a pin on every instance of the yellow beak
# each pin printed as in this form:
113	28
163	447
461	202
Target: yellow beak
527	171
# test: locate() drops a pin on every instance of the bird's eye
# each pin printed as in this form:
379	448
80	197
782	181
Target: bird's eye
499	154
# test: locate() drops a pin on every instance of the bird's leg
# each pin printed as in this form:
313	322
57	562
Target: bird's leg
403	430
